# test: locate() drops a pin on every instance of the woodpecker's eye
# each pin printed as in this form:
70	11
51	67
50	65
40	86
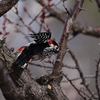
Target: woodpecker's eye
56	47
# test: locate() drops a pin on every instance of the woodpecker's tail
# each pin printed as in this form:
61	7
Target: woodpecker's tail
22	59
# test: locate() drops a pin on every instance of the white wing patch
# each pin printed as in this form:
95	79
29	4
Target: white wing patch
30	43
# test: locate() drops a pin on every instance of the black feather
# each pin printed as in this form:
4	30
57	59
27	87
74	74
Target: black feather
41	37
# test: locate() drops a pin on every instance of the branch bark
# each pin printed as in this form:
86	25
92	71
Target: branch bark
64	39
77	28
6	84
6	5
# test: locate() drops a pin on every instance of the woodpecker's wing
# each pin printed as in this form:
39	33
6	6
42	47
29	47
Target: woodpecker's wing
41	37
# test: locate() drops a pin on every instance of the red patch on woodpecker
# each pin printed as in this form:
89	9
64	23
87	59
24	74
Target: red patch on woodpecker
30	60
21	49
50	42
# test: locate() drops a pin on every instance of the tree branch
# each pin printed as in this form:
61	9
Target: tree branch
54	11
6	5
6	84
98	4
77	28
64	39
96	79
17	84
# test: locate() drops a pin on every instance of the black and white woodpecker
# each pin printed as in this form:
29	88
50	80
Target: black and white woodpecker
39	49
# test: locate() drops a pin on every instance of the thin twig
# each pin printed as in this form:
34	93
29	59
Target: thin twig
42	66
21	19
84	93
85	77
74	86
80	73
39	65
69	67
96	79
26	36
34	19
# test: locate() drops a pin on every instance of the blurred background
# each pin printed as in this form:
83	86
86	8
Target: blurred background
85	48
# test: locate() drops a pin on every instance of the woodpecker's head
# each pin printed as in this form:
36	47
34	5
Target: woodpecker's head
54	45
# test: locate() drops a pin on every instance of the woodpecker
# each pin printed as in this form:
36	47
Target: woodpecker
38	49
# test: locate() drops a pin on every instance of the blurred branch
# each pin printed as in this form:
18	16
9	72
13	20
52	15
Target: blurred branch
39	65
21	19
6	5
49	67
77	28
54	11
69	67
98	3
